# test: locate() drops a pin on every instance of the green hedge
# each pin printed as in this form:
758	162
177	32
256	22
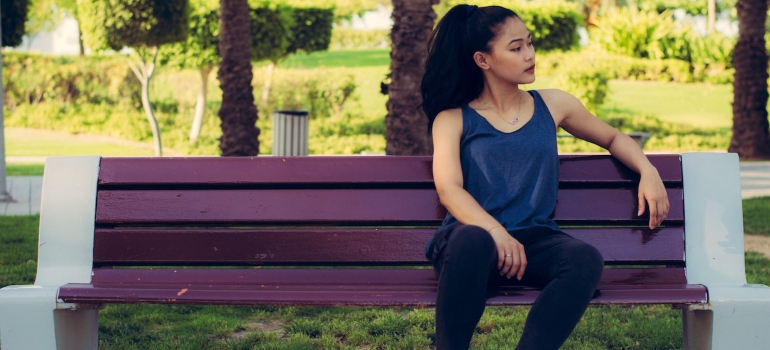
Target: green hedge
113	24
88	95
34	79
648	34
622	67
355	39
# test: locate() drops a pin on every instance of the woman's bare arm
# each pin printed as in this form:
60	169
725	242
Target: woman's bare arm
573	117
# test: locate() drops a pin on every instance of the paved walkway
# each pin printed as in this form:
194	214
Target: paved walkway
26	190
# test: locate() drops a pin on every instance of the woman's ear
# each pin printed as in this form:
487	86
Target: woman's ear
481	60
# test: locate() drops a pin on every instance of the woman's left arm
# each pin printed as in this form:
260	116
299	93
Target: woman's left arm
570	114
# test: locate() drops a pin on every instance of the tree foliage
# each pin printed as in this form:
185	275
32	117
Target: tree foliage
312	30
13	15
114	24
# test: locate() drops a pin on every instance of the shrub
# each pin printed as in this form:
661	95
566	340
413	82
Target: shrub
354	39
584	79
618	66
34	78
665	136
638	33
647	34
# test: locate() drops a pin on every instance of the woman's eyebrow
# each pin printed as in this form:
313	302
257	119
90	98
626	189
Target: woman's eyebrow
529	35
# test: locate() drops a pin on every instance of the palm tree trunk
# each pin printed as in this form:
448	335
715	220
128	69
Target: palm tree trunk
406	124
712	15
751	137
238	112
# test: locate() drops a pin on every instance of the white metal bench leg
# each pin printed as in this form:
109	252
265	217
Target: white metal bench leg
737	318
697	328
29	320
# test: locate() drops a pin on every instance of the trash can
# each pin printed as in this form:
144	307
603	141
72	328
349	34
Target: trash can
290	133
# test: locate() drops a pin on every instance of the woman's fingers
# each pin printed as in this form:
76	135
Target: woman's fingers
514	262
511	257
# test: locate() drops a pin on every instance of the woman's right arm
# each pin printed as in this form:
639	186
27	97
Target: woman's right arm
448	177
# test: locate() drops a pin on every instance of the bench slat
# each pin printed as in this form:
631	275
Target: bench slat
339	170
343	246
326	287
344	206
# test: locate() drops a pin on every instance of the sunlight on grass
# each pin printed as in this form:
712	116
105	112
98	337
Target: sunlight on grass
41	143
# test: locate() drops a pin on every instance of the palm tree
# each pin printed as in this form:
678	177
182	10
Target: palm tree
406	124
751	137
238	112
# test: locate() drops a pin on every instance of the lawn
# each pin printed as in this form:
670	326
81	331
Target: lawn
35	143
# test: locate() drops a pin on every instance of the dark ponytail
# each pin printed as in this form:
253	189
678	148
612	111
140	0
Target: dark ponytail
451	76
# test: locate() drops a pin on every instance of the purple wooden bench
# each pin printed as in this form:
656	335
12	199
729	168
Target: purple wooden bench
198	231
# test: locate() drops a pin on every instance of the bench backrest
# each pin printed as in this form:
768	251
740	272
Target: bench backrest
343	210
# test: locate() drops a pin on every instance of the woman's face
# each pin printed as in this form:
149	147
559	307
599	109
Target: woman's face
512	56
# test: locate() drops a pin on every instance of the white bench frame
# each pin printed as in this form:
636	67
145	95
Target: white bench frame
736	317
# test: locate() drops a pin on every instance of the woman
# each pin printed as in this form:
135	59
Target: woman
495	166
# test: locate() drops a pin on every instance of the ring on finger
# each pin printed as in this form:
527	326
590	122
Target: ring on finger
508	255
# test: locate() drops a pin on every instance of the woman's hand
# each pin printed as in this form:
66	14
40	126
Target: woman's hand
652	195
511	259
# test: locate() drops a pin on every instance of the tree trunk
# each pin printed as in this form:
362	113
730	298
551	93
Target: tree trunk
144	73
751	137
406	124
200	104
712	15
268	83
5	196
238	112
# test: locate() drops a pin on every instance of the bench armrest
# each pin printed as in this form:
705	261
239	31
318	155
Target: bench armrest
713	219
67	212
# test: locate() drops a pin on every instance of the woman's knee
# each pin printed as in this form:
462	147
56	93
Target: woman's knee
472	238
589	261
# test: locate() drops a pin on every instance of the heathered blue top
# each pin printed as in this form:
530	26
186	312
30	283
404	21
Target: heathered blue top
513	176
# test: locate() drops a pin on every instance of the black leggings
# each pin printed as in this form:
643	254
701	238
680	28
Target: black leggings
465	261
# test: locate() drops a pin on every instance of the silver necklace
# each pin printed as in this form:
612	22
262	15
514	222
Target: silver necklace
511	122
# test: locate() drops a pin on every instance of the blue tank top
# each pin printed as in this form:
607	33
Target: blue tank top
513	176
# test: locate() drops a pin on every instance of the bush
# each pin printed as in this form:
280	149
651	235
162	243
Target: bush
34	79
617	66
638	33
647	34
588	82
354	39
322	93
665	136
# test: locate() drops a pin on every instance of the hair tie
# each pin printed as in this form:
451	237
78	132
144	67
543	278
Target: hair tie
470	9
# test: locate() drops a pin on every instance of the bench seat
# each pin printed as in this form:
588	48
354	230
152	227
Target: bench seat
335	287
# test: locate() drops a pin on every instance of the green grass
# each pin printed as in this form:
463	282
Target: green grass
24	169
18	249
243	327
756	215
349	59
32	143
701	105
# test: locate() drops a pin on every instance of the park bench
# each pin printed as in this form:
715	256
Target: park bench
255	231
